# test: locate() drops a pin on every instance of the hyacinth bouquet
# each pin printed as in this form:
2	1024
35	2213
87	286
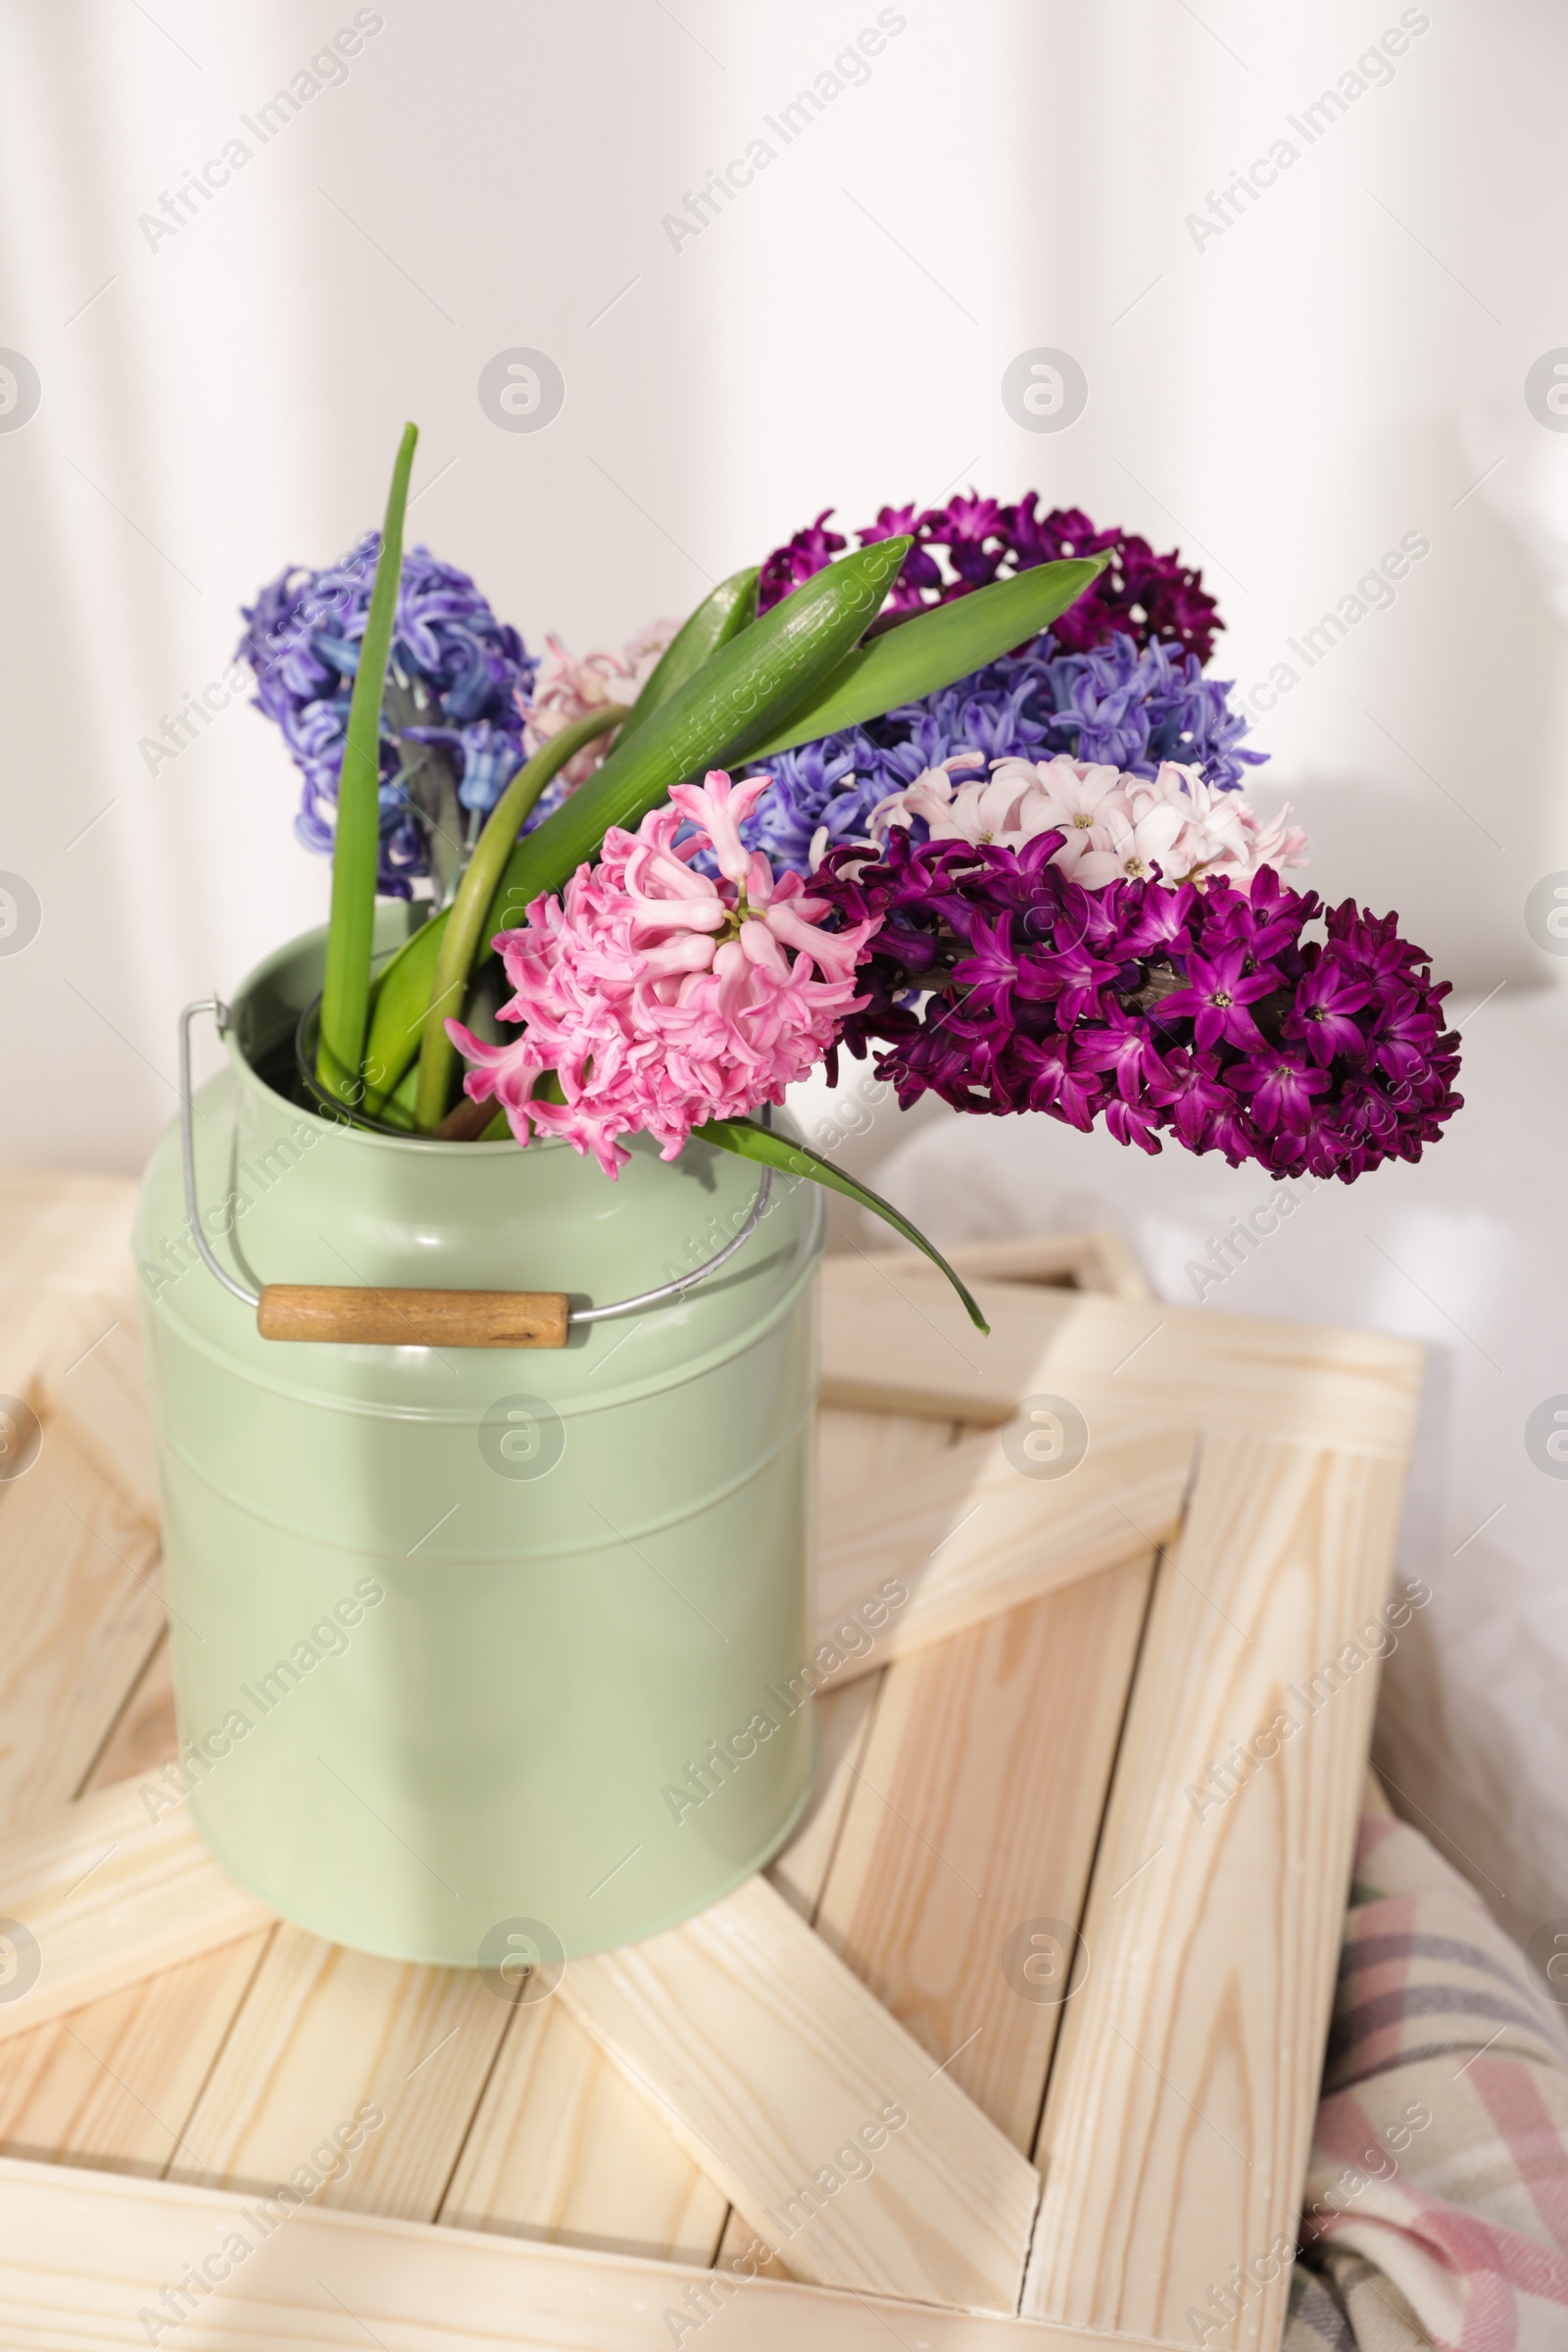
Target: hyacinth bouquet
964	796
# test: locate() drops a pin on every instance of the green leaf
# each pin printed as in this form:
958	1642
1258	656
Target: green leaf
731	607
461	934
397	1109
735	695
751	1142
346	994
934	650
398	1009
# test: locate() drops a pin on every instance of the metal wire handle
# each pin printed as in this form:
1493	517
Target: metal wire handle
252	1298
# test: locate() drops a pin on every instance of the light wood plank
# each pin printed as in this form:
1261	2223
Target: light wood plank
81	2255
854	1450
324	2036
59	1236
112	2085
144	1737
1323	1409
1196	2045
844	1724
766	2053
110	1897
565	2149
82	1603
844	1719
1098	1259
771	2059
967	1536
976	1809
903	1344
57	1225
71	1227
91	1380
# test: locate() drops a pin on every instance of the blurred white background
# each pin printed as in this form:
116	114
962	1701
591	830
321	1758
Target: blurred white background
1284	400
1342	365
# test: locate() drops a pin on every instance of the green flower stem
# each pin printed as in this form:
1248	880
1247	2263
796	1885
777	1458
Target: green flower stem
346	994
748	1140
465	917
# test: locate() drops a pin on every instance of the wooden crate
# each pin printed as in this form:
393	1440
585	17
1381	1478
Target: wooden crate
1022	1915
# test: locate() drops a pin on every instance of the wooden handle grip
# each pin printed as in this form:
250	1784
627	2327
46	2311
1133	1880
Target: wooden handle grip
303	1310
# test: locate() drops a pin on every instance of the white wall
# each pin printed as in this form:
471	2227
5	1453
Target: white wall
1335	370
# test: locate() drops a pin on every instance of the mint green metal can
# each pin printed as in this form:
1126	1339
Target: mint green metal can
478	1650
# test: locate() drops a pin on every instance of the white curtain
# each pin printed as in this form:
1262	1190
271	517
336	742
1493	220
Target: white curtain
1287	396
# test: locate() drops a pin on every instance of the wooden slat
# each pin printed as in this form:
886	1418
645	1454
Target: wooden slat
976	1808
59	1236
92	1381
902	1344
1097	1259
1196	2044
110	1896
968	1536
844	1719
565	2148
1323	1386
766	2053
843	1725
82	1605
81	2255
770	2057
144	1737
112	2084
325	2032
71	1229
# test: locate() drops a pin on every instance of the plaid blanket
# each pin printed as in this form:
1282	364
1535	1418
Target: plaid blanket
1435	2210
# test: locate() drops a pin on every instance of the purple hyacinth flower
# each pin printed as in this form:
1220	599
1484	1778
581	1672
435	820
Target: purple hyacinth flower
451	726
1132	1123
1130	705
998	984
989	972
1123	1044
1190	1086
1279	1088
1322	1014
968	542
1219	989
1056	1081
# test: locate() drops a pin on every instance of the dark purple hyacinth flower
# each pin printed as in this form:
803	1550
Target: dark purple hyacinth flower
972	541
1202	1012
450	729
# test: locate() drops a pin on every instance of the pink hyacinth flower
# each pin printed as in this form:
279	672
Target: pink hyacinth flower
660	998
569	689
